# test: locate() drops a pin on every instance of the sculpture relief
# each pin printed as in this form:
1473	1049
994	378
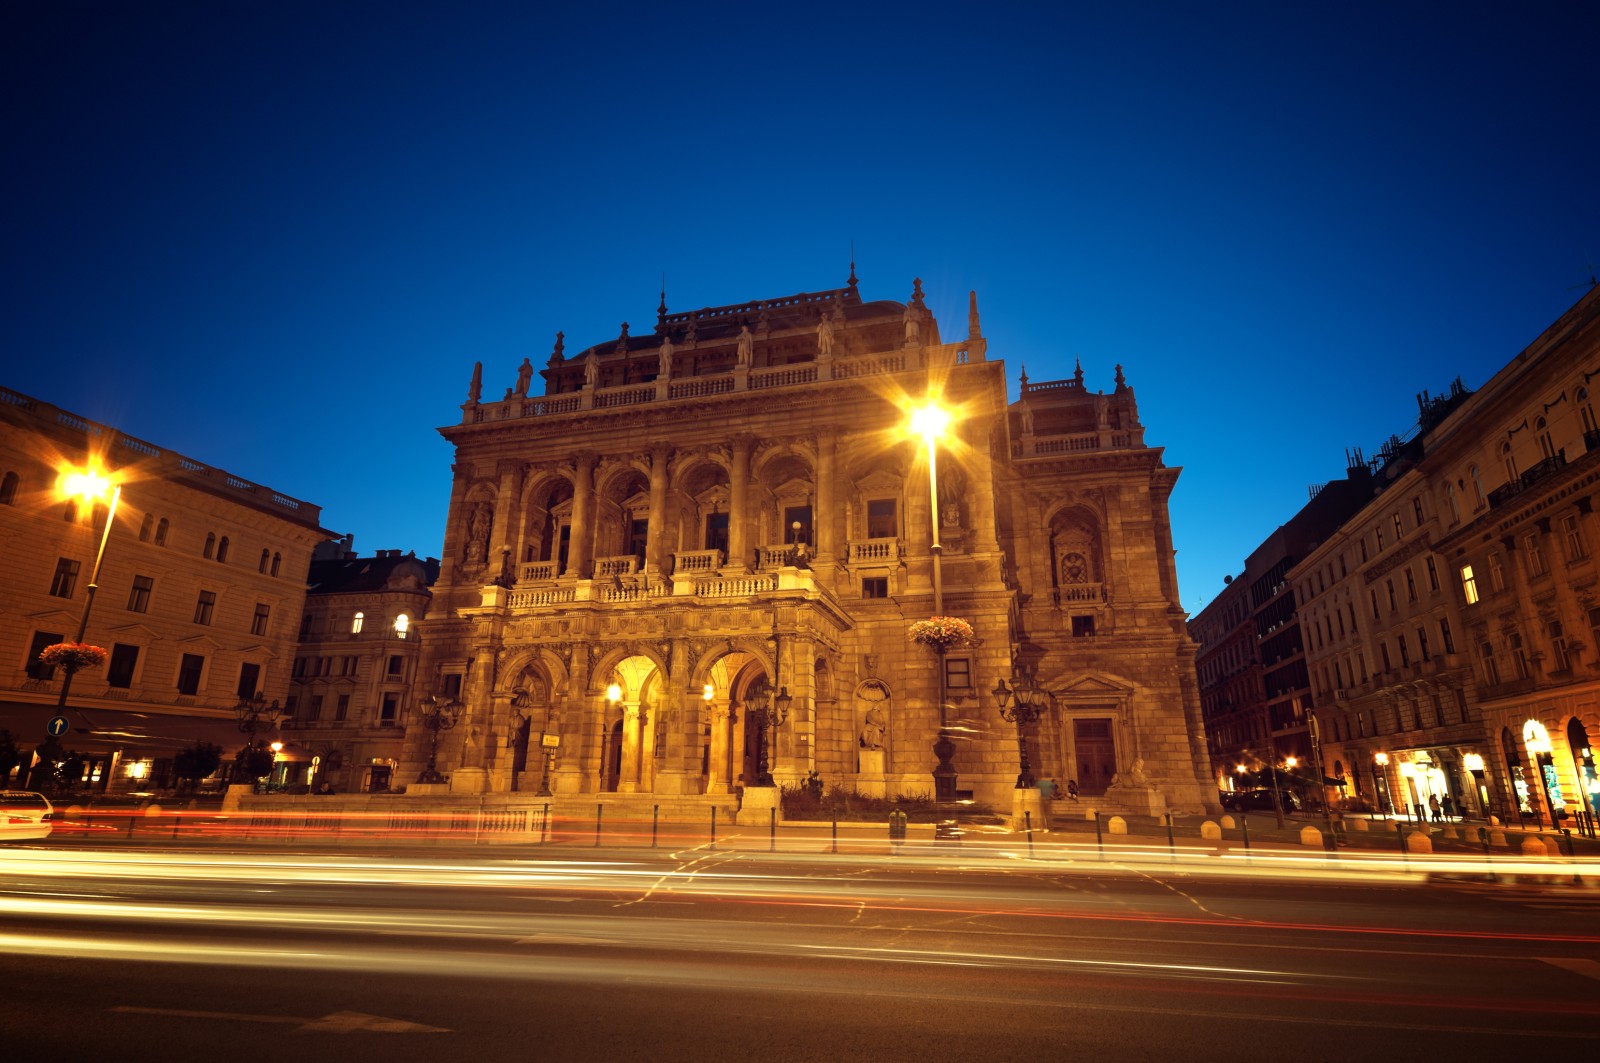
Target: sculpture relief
479	518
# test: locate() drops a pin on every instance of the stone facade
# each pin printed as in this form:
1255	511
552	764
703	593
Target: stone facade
200	589
735	502
353	683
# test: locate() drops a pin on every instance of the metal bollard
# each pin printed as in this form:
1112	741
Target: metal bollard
713	827
1099	838
655	823
1244	825
1483	836
772	830
1172	843
599	811
1027	825
1400	836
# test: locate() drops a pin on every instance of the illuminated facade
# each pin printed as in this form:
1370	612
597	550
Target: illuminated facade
1458	614
199	594
353	681
733	504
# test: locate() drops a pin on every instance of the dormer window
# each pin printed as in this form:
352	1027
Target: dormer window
402	624
356	622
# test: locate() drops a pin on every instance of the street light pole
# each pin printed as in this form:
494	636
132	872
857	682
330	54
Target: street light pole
1021	706
929	421
439	714
89	486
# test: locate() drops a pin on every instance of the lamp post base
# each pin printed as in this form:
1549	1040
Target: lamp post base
944	773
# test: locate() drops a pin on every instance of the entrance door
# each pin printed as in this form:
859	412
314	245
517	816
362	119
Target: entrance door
1097	754
613	761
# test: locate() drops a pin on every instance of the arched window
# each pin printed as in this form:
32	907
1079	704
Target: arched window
275	559
1477	486
1450	497
161	532
70	514
8	490
211	545
1546	444
402	624
356	622
266	556
1586	413
146	526
222	549
1510	461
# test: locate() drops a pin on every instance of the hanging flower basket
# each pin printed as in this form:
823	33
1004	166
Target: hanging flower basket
942	632
72	656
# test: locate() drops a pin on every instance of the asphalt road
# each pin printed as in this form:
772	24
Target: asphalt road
142	952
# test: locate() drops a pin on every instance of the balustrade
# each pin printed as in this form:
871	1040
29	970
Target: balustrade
692	561
539	572
876	551
1081	592
607	567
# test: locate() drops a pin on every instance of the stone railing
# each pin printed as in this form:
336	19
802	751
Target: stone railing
607	567
689	562
783	376
1042	446
540	598
1080	592
635	592
539	572
777	556
736	586
874	551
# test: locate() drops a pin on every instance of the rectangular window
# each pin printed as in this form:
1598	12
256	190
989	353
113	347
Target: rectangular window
957	673
1373	595
875	587
249	676
1383	652
119	672
1558	646
881	519
1491	671
638	536
299	667
397	664
1572	537
1411	585
1536	566
189	670
341	708
314	710
1389	583
41	639
203	607
1422	643
1469	585
305	627
1461	703
1405	651
1433	576
1497	573
347	666
1445	638
291	705
451	682
139	596
716	534
1083	627
390	709
258	626
356	622
65	579
1399	529
1416	509
793	515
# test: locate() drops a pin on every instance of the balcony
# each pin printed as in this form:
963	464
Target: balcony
874	552
1077	593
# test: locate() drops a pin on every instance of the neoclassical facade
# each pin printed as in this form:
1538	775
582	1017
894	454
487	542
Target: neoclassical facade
690	520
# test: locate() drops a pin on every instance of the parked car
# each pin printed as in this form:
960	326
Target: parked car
25	816
1258	800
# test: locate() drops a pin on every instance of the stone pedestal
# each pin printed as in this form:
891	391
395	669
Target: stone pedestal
427	789
755	810
230	799
870	782
1135	797
469	781
1028	805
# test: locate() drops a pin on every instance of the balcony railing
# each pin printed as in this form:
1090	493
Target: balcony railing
874	551
1080	592
608	567
689	562
539	571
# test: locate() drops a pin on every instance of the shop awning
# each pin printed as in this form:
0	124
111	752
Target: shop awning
150	735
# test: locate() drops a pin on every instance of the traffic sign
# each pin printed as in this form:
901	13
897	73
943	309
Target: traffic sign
57	726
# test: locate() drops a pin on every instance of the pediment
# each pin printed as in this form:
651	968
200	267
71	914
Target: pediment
194	641
55	617
1093	686
135	631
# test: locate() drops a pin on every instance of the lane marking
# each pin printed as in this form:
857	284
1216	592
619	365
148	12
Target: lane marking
1587	968
334	1022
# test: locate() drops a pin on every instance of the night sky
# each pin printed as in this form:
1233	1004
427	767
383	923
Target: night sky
275	236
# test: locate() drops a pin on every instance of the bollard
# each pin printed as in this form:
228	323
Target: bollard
1172	844
655	823
713	827
1483	836
836	832
772	830
177	819
1566	834
1244	825
897	830
599	811
1099	839
544	833
1400	836
1027	826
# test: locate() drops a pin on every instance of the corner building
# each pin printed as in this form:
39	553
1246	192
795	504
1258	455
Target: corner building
735	502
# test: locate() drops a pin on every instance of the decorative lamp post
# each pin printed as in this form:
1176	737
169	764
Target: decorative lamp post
929	421
772	709
438	714
1381	774
939	634
1022	707
548	744
89	486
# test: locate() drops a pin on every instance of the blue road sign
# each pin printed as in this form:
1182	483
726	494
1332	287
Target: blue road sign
57	726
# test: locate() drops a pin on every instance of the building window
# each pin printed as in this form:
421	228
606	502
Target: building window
1446	639
1519	656
1461	703
299	667
1361	545
797	515
291	705
1373	596
211	546
1433	576
1378	532
1399	529
1389	585
65	579
161	531
1411	585
1559	661
314	710
451	683
1405	651
1497	573
265	558
305	627
35	668
356	622
957	673
189	669
402	624
882	522
1509	460
397	664
1536	565
389	711
875	587
1422	643
119	672
1491	671
249	677
139	596
1416	509
1572	538
276	558
203	607
1383	653
8	489
1082	627
146	526
341	708
1450	498
222	549
1469	584
347	665
1477	486
258	625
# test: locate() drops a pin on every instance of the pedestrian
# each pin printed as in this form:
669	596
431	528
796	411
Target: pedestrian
1072	789
1449	807
1047	790
1434	811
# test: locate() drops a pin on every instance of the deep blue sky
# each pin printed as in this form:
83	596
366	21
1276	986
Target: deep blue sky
275	236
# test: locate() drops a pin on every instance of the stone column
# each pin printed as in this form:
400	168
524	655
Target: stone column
508	522
632	736
657	550
717	776
739	490
581	546
825	520
572	773
980	479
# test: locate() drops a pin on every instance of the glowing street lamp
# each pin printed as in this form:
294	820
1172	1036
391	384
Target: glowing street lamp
88	485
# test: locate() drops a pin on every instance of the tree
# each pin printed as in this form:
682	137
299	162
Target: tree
251	762
197	762
9	755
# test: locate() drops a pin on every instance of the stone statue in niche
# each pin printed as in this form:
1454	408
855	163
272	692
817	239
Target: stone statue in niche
747	346
524	378
478	521
913	322
664	368
591	370
952	485
873	727
824	336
